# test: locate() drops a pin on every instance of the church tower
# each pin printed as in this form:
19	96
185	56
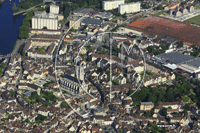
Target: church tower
80	72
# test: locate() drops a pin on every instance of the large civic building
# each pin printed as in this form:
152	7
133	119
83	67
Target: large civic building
109	5
129	8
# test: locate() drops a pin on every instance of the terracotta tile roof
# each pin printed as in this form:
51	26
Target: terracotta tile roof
173	4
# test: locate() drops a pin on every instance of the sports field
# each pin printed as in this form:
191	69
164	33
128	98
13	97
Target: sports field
194	20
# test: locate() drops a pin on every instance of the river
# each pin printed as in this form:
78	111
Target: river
9	26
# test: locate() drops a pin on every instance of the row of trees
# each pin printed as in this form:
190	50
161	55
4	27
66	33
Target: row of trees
26	5
23	30
2	66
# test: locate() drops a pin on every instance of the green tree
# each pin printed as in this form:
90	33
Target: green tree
49	96
23	54
64	104
194	46
40	118
45	105
169	107
83	56
14	8
160	7
115	82
150	49
85	4
12	92
99	49
94	40
183	3
44	27
164	111
147	114
89	58
175	113
186	107
88	47
108	74
180	45
185	112
126	58
152	98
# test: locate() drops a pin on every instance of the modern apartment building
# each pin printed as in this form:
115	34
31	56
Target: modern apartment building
109	5
129	8
54	9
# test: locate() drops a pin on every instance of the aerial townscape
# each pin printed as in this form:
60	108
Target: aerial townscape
96	66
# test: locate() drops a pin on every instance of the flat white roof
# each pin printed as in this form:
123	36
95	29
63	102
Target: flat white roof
170	66
188	68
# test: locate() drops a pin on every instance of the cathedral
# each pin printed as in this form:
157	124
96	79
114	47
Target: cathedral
74	84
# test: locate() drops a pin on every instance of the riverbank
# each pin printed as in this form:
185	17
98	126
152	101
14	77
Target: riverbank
9	27
17	46
31	8
26	5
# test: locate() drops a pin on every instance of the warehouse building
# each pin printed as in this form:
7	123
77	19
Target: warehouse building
129	8
109	5
82	11
105	15
173	58
91	21
192	67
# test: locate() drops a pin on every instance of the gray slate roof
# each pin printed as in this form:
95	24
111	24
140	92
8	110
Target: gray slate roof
195	62
175	57
92	21
74	79
2	111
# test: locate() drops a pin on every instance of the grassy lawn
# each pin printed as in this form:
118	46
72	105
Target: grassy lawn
194	20
197	7
40	49
185	99
147	74
161	13
191	101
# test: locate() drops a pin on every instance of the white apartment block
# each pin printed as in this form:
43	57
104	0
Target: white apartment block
54	9
129	8
109	5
